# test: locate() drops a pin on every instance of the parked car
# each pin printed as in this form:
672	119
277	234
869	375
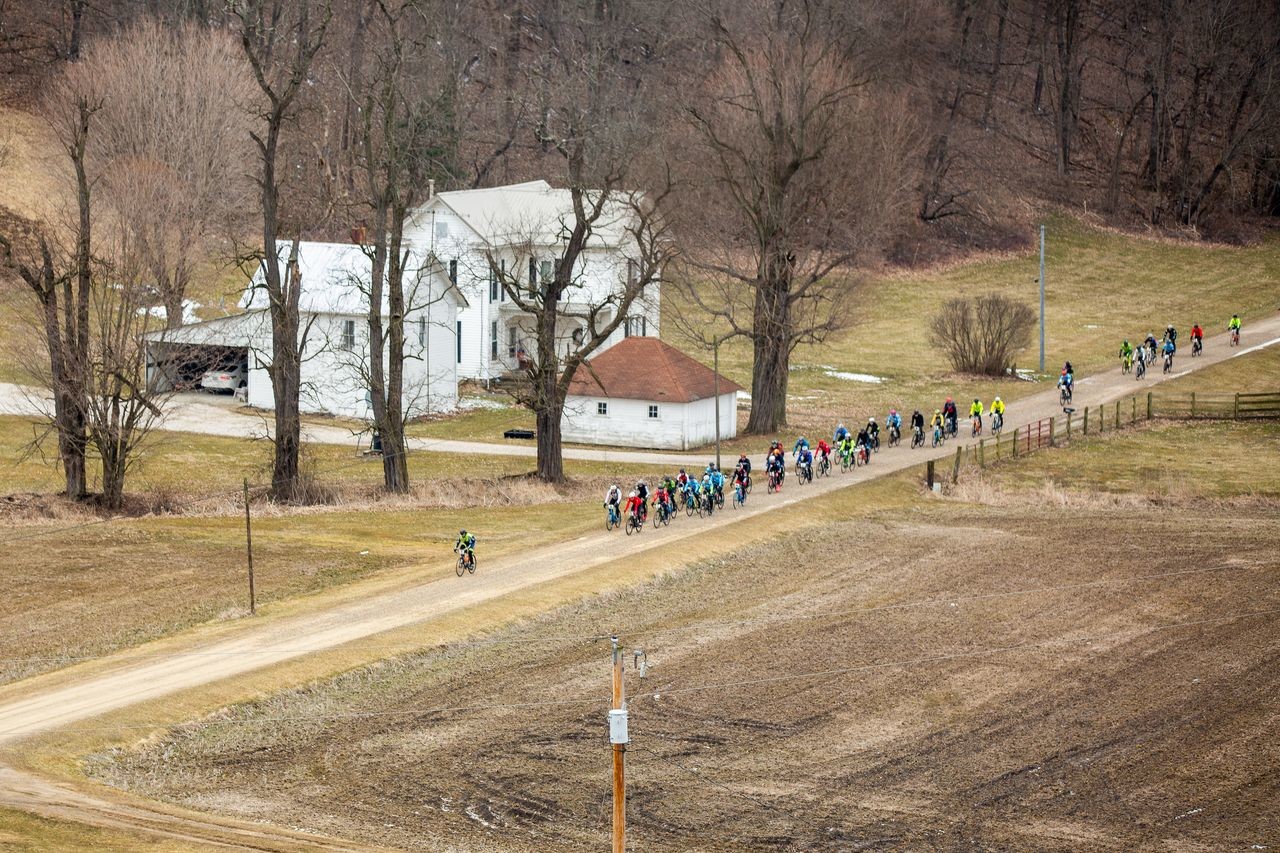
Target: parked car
227	375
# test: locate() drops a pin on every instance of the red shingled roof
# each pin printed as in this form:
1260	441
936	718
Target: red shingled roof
640	368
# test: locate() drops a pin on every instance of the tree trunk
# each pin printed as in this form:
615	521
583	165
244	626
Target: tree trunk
114	463
395	459
769	385
550	450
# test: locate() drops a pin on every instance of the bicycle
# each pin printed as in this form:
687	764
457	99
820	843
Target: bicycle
691	503
718	497
938	435
895	436
997	423
824	466
1140	368
804	473
661	515
1168	362
864	454
466	561
1126	363
775	482
917	437
708	503
846	460
634	523
975	428
1064	395
739	496
952	427
612	518
1235	337
1197	347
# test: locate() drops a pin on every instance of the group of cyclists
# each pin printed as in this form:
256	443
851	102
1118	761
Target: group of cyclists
1136	359
704	493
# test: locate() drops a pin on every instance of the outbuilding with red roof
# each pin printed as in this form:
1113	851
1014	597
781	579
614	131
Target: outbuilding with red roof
642	392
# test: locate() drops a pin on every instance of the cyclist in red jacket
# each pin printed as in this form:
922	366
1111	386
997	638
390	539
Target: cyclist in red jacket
635	505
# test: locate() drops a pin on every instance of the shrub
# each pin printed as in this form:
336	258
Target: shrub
981	335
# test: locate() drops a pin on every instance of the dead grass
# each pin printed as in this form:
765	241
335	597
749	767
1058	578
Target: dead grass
1058	744
23	832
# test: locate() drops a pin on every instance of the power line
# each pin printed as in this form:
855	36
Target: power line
605	635
844	670
654	694
300	718
927	602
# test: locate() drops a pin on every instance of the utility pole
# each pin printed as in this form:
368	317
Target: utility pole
248	543
618	738
716	370
1042	299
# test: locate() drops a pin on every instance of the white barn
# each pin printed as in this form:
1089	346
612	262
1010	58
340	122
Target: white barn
523	227
333	308
645	393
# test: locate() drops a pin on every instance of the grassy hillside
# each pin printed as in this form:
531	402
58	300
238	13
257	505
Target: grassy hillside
1101	287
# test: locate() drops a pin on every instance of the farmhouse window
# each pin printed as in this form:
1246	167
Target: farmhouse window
493	339
458	339
453	271
635	327
511	341
348	338
442	230
653	411
422	331
547	270
632	276
533	275
502	290
602	409
493	284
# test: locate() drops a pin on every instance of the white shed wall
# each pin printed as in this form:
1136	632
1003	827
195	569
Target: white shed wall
679	426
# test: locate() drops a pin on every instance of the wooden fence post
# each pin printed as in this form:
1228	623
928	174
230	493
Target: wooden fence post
1148	405
955	472
1102	419
928	474
1193	404
1015	441
1134	419
982	453
1052	421
1235	409
1117	414
1085	428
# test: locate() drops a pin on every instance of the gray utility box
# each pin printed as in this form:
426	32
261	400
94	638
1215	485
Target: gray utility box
618	726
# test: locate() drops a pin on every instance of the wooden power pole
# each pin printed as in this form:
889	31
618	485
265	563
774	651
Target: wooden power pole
248	543
618	738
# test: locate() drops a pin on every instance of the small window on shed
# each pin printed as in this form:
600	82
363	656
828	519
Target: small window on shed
653	411
602	409
442	230
348	338
422	331
453	271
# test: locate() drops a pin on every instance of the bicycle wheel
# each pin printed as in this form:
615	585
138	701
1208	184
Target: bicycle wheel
462	567
471	564
737	499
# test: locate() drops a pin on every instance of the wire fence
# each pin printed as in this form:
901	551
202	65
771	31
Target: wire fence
1074	424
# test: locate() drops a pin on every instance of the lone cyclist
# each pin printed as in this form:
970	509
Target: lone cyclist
466	546
1234	326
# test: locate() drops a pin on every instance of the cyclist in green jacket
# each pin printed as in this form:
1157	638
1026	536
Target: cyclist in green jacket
466	545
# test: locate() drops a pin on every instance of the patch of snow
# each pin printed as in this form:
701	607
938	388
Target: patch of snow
1091	326
1188	813
468	404
744	396
189	307
1024	374
854	377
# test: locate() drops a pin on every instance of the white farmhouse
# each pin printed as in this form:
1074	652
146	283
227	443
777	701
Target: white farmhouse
523	226
333	308
645	393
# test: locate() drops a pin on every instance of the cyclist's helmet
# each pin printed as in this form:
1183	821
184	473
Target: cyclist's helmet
975	399
937	411
996	400
949	400
871	419
893	411
462	533
633	494
1126	341
1168	327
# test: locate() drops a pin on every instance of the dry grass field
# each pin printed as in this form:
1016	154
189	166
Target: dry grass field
1030	662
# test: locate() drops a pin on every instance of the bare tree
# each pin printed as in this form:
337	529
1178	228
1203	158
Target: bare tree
595	97
982	335
281	41
172	145
800	176
402	147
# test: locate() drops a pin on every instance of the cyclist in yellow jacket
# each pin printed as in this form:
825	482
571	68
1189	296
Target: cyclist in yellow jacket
975	415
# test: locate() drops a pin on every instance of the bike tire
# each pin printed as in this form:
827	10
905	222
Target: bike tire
471	566
462	567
